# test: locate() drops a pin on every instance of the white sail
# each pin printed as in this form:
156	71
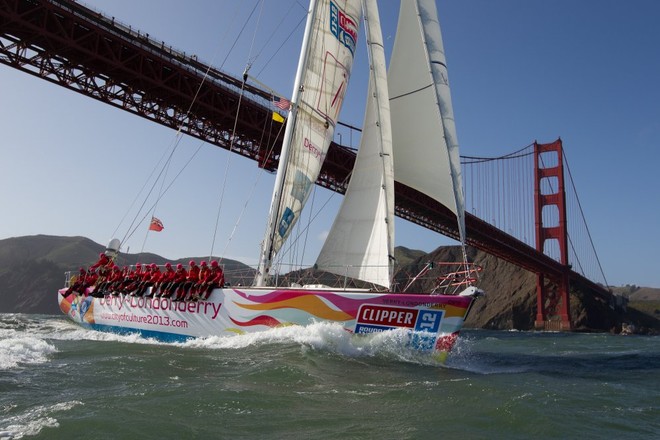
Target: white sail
361	240
322	79
423	129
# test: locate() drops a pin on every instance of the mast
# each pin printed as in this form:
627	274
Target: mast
266	255
428	15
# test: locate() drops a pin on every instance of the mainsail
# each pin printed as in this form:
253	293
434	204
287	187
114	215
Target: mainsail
361	241
423	129
321	82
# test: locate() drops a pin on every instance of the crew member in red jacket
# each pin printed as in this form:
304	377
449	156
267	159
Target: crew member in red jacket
176	287
78	285
145	280
216	279
103	286
102	261
132	279
154	281
204	276
162	288
191	281
90	280
116	280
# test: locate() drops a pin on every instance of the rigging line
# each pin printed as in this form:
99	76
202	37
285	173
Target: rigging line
166	167
293	30
332	195
229	160
277	27
251	194
137	196
166	189
254	36
226	174
239	34
178	136
233	131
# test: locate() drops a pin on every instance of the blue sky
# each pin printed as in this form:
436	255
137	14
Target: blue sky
586	71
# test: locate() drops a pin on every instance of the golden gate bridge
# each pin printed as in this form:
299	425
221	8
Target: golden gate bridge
518	205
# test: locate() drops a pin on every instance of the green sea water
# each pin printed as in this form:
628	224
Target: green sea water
58	381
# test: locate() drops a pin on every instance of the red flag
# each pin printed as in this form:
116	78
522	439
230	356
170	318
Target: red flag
156	225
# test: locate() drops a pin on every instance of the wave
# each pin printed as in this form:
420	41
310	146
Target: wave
324	336
24	350
38	333
33	420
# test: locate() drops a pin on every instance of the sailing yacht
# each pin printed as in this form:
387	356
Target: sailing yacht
408	135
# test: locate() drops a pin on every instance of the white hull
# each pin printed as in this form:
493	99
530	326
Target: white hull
433	320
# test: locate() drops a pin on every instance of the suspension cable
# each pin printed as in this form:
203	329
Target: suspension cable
583	217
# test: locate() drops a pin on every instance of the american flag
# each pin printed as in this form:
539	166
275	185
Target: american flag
282	103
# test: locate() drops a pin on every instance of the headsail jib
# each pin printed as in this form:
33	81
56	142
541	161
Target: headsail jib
361	240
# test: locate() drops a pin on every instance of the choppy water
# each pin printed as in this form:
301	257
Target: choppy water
58	381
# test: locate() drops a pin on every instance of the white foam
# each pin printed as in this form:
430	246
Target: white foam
324	336
315	335
23	350
69	331
33	420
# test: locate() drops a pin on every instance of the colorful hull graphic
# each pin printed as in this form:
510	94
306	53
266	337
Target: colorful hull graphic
433	321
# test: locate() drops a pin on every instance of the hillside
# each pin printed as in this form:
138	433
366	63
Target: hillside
637	293
32	269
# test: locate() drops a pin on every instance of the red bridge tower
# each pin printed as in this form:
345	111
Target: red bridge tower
553	303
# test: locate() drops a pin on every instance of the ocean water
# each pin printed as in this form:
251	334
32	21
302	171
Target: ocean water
58	381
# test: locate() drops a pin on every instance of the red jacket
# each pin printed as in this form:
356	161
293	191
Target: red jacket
193	274
156	275
217	276
168	275
204	274
103	261
180	275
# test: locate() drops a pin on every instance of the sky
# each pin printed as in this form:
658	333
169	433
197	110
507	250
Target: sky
519	70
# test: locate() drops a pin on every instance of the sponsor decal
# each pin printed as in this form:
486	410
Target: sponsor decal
286	221
301	186
133	303
313	149
373	318
343	27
